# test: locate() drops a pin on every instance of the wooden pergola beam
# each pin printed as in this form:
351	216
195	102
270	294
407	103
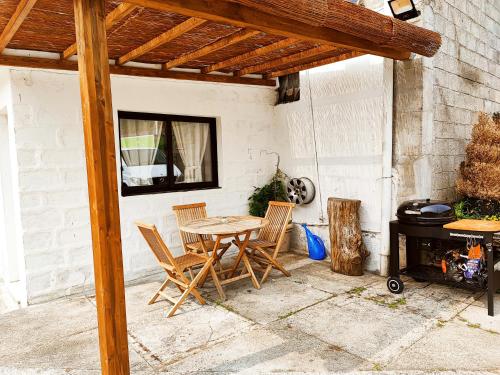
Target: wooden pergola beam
44	63
224	11
285	60
98	129
161	39
115	16
23	9
212	47
314	64
251	54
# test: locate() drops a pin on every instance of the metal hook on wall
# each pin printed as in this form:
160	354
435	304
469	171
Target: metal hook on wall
273	153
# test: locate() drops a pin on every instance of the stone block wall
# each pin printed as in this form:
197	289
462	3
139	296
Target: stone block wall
438	100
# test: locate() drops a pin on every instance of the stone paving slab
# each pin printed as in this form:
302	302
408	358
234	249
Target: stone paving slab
476	316
31	329
417	298
268	350
162	340
276	298
318	275
361	327
455	345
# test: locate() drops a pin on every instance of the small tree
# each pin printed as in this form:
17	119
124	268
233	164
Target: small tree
480	172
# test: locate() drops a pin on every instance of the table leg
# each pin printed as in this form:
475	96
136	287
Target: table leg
218	286
203	245
214	257
242	247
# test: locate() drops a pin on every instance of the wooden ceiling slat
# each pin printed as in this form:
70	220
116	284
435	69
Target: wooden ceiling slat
249	55
314	64
285	60
115	16
224	11
58	64
161	39
23	9
212	47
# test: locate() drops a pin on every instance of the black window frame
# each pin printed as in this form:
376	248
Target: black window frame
170	186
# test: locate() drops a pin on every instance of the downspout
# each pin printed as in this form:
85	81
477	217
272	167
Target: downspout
387	150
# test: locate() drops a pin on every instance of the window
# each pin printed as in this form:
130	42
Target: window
161	153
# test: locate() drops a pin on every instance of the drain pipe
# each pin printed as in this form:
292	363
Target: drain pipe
387	166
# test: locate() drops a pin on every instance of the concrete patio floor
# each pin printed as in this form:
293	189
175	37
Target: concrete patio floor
314	321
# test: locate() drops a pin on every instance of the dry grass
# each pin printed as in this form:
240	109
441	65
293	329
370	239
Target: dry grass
480	173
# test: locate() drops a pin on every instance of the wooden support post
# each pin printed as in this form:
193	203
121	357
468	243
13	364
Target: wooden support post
347	248
95	87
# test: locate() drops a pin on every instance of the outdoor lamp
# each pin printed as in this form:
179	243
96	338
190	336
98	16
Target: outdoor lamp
403	9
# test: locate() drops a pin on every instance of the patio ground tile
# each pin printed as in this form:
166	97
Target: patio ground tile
477	316
26	329
267	350
456	346
439	292
320	276
161	339
417	301
482	301
137	298
363	328
276	298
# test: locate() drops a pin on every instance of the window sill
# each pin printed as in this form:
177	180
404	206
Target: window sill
151	192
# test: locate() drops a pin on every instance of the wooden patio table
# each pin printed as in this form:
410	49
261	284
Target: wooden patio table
228	227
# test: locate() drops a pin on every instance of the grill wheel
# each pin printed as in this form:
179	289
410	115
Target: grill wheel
395	285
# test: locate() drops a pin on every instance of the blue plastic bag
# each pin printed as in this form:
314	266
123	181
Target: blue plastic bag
315	245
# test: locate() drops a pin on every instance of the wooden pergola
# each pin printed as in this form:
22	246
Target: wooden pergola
231	41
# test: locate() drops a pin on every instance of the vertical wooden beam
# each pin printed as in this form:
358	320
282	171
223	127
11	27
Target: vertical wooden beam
115	16
95	87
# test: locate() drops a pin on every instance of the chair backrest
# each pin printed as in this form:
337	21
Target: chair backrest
155	242
187	212
278	214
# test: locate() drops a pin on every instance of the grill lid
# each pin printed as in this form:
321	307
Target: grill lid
426	212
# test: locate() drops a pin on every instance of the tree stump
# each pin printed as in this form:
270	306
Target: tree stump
348	252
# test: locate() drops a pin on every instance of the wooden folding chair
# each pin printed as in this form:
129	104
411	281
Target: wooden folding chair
190	241
175	268
265	248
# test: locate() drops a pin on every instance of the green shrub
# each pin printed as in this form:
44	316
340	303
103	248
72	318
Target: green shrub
473	208
272	191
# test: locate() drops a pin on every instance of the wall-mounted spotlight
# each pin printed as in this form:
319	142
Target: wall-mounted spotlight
404	9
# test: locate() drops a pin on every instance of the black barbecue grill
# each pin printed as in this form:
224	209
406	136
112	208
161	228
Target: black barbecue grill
426	212
428	243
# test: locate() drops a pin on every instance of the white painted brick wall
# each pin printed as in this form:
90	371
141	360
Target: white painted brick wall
52	177
348	109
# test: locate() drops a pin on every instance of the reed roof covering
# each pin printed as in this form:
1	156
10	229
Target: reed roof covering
223	40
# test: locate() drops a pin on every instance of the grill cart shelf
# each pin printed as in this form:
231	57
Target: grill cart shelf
488	234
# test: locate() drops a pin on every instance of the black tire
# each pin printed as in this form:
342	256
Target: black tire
395	285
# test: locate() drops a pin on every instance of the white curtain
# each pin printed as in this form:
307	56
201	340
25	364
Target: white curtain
139	146
192	140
